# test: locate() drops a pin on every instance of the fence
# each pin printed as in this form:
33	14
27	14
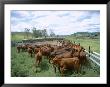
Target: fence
42	39
95	57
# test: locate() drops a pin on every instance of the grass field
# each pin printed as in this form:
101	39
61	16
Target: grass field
20	36
22	65
86	42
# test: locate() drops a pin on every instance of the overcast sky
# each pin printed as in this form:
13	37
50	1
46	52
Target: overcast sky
61	22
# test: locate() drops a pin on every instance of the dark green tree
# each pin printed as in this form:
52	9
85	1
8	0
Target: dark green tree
52	34
37	33
27	32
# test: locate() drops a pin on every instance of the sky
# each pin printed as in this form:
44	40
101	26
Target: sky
60	22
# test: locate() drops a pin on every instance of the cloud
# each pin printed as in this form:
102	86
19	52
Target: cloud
62	15
61	22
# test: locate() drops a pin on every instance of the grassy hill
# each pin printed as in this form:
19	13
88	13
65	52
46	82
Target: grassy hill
18	36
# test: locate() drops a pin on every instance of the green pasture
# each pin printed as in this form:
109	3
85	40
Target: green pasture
86	42
22	65
20	36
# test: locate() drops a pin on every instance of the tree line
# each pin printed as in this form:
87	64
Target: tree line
38	32
86	34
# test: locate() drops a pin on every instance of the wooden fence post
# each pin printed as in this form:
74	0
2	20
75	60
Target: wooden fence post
89	51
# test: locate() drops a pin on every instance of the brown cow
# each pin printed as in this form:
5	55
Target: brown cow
81	55
30	51
50	47
77	47
18	48
46	51
38	57
62	53
36	50
66	63
23	48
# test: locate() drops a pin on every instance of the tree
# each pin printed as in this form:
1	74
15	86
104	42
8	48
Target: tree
44	33
52	34
39	33
36	33
27	32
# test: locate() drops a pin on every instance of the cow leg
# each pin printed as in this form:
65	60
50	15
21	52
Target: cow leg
31	54
85	61
49	59
77	68
54	68
62	71
59	69
17	50
38	62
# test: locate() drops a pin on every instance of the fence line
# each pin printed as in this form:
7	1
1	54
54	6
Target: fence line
94	61
93	58
96	54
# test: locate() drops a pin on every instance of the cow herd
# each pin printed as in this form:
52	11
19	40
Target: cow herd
67	56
